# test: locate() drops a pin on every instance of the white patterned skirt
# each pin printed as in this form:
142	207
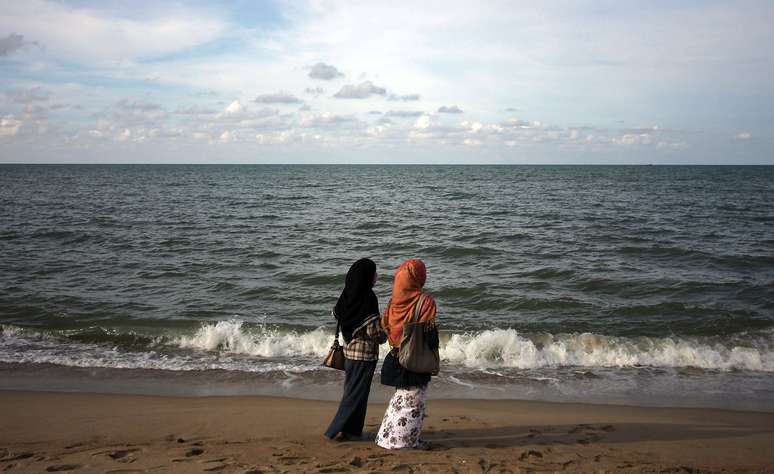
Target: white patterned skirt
402	422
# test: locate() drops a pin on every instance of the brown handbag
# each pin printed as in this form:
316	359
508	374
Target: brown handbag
335	357
415	353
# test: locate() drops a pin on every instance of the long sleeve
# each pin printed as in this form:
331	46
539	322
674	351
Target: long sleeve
375	332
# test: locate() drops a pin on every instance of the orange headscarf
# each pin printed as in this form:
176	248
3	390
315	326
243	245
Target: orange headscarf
409	279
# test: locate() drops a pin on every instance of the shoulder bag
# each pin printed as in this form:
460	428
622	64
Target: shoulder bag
415	353
335	357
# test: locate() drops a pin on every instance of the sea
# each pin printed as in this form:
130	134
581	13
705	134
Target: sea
643	285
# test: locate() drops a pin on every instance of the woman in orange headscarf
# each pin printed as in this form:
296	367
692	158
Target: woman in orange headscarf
402	423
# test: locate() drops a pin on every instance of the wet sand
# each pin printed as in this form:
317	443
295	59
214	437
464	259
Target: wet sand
73	432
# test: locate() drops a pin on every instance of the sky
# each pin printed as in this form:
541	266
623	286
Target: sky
387	82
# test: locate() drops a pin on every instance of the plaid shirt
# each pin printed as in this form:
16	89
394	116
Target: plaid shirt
365	341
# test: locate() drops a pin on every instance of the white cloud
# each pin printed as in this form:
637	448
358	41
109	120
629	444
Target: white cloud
404	113
634	139
324	72
363	90
453	109
474	127
137	105
201	136
123	136
195	110
227	137
422	122
88	34
315	91
536	56
233	109
9	126
26	96
280	97
326	120
403	98
278	138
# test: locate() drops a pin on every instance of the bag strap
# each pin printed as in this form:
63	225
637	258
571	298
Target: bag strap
336	336
418	308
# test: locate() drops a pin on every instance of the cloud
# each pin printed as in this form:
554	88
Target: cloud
363	90
385	121
12	43
403	98
404	113
278	138
26	96
518	123
743	136
422	122
109	36
280	97
449	110
195	110
227	137
325	120
137	106
9	126
315	91
137	113
474	127
324	72
235	108
124	135
239	116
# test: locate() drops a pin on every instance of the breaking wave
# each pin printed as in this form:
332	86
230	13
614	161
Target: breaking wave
232	336
507	348
233	345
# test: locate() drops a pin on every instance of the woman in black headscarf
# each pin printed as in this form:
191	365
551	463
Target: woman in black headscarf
357	312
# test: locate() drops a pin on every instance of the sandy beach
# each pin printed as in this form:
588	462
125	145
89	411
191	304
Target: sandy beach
74	432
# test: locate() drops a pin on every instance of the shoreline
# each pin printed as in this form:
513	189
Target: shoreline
87	432
325	385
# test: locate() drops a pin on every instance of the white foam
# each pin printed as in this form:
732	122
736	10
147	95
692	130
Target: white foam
230	336
231	345
507	348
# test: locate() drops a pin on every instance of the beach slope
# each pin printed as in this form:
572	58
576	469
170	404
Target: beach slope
61	432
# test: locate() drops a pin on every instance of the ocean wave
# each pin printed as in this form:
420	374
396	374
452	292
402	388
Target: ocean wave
232	336
235	345
507	348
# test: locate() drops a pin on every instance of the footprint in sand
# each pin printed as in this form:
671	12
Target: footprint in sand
121	453
534	433
63	467
194	452
528	455
17	457
217	468
333	469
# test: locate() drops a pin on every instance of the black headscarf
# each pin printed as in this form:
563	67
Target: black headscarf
357	301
